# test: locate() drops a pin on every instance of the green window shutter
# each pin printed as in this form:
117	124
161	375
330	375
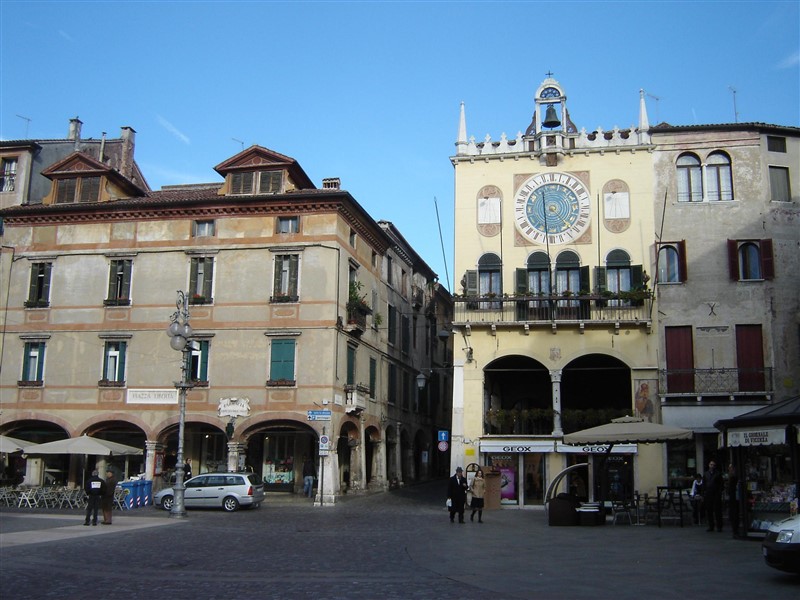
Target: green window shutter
203	374
471	278
40	363
351	365
276	279
637	277
34	285
522	281
584	278
45	291
112	286
373	370
600	279
282	360
121	364
193	277
294	262
209	278
127	268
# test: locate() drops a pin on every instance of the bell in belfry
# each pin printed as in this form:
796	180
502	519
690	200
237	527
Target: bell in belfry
551	118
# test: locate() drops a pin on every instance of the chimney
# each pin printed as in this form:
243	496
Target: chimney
128	136
331	183
74	129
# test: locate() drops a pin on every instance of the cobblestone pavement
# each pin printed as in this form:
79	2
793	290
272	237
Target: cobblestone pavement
388	546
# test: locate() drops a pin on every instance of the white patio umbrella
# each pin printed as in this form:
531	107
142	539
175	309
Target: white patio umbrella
81	445
10	444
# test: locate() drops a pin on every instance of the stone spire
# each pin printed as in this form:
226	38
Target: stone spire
644	124
461	142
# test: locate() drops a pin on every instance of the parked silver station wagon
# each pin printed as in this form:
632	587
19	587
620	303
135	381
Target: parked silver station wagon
214	490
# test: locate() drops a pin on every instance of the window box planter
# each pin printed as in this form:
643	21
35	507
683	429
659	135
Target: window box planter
199	300
37	304
107	383
283	298
30	383
117	302
281	383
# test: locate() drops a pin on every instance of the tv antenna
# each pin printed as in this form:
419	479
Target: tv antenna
735	112
27	123
657	99
239	141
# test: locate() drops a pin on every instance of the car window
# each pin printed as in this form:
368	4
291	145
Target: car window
196	482
233	480
216	480
253	479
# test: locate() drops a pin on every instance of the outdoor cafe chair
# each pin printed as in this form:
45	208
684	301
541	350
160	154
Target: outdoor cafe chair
27	497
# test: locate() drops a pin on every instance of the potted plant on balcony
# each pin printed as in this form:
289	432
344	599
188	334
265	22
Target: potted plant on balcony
357	307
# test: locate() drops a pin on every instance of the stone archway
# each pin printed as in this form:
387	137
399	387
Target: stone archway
55	468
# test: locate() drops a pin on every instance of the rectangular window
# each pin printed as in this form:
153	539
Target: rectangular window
353	238
351	365
270	182
33	362
81	189
288	225
119	283
203	228
392	387
90	189
114	361
392	325
198	369
201	280
39	289
242	183
779	184
750	358
8	174
373	375
285	279
389	270
776	143
281	365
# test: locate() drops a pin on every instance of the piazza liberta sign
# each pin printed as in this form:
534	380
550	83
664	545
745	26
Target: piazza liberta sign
763	436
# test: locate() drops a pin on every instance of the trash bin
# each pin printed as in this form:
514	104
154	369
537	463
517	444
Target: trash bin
129	499
147	492
137	485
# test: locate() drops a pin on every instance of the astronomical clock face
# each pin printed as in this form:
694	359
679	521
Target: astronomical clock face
552	204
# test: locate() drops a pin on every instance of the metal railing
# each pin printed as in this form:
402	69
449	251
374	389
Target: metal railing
718	382
634	308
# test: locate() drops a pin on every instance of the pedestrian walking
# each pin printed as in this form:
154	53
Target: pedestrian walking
478	489
94	489
713	485
457	495
187	469
309	472
696	497
107	501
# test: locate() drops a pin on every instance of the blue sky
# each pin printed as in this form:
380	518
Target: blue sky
370	91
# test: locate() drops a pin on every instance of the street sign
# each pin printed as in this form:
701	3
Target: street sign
443	446
324	445
444	435
318	415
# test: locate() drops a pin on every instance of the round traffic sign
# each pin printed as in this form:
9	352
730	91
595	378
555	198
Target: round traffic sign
443	446
324	440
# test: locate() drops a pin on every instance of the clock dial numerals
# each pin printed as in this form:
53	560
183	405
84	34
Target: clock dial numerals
555	205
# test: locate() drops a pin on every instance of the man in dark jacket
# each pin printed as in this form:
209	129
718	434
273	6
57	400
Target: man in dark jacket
457	495
94	489
108	496
713	485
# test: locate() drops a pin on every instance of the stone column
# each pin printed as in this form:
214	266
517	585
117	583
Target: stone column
457	455
150	449
398	454
555	380
328	478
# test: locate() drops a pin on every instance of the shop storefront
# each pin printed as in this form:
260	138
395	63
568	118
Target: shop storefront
277	455
764	451
523	467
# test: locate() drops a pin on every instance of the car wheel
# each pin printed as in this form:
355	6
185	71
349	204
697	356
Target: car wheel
167	502
230	504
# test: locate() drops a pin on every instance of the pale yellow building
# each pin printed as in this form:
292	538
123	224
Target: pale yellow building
554	234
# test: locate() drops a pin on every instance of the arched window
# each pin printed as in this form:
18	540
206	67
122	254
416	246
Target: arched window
690	179
749	261
719	182
618	271
568	276
539	273
490	279
669	270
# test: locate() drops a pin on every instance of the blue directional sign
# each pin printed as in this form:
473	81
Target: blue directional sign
318	415
444	435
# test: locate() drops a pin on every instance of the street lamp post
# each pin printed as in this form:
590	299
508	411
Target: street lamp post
180	333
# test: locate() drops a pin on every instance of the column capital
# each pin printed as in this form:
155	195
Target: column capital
555	375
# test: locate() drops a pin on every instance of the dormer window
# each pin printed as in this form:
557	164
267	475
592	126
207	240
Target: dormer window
81	189
266	182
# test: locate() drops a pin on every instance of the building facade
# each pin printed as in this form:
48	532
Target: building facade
309	319
649	271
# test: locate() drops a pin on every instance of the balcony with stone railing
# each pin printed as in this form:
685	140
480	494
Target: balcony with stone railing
696	385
